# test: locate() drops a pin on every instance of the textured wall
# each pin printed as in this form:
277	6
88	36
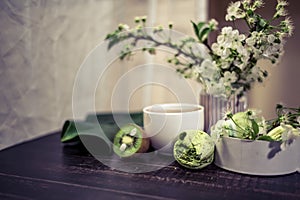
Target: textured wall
43	43
42	46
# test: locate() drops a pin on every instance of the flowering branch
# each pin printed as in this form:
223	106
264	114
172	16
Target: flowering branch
229	66
285	115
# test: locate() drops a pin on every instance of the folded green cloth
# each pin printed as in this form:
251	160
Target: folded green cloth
90	134
97	131
99	142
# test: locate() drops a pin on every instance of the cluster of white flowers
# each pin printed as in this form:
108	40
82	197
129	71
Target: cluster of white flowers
230	42
234	12
233	66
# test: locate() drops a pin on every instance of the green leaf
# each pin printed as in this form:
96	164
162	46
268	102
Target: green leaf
250	12
262	22
113	41
200	25
124	54
203	35
152	51
70	129
197	28
255	127
265	137
69	132
108	36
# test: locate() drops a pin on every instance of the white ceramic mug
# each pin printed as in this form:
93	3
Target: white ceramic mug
163	122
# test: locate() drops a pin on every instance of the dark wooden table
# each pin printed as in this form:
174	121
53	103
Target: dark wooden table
46	169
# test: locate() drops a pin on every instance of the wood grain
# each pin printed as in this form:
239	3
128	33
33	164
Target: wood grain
45	169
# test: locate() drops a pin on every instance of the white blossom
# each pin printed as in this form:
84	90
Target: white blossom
271	38
217	130
287	26
123	27
246	4
254	74
230	77
273	52
262	127
213	24
289	134
216	87
281	12
234	11
252	5
223	127
221	50
207	68
225	63
251	41
282	3
258	4
226	30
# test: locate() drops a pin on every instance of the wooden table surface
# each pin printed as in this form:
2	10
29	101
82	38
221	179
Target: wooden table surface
46	169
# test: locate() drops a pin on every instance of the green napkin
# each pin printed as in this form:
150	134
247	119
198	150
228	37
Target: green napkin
97	131
90	134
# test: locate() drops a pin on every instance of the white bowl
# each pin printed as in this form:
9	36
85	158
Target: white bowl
257	157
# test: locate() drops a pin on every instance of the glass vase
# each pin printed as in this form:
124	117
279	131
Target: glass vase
215	108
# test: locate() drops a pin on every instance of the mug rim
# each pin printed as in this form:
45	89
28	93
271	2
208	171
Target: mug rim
199	107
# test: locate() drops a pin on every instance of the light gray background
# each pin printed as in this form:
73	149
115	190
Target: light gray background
44	42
